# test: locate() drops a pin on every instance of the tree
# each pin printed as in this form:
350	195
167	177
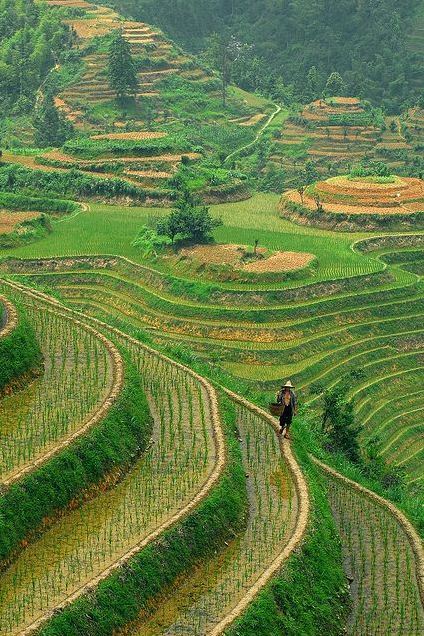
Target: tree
223	51
188	220
314	84
51	127
310	173
301	190
121	68
335	86
338	423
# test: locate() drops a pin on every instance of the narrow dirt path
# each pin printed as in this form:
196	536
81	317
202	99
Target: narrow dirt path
261	131
10	317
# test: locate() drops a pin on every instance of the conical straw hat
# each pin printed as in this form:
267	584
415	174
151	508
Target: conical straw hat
288	384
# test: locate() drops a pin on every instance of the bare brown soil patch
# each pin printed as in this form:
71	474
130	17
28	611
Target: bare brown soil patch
252	121
239	257
216	254
134	135
9	220
281	262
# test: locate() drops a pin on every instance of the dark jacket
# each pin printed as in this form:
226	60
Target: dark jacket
293	398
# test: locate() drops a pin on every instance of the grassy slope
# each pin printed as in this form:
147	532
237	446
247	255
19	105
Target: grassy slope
110	229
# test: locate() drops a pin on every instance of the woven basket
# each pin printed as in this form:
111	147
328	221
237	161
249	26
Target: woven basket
276	409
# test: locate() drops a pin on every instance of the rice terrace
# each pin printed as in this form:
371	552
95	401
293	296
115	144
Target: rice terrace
211	318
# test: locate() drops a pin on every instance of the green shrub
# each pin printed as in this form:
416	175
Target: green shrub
13	201
26	232
91	148
72	183
19	351
370	169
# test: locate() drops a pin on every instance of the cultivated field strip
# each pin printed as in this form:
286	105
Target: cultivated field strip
287	498
299	531
368	337
384	558
9	317
82	378
210	599
184	461
327	360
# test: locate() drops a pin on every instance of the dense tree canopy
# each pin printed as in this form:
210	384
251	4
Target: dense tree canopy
121	69
302	41
31	39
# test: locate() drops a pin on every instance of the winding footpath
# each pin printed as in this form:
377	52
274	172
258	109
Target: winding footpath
261	131
10	317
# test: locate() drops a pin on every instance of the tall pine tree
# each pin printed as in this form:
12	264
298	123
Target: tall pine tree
51	127
121	68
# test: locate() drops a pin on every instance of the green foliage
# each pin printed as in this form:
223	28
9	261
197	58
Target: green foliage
370	169
51	127
149	241
13	201
365	42
223	51
335	86
121	68
371	118
32	38
115	442
26	232
86	148
19	351
73	183
338	423
119	599
188	220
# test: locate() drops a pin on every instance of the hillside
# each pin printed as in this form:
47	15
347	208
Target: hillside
133	151
372	45
174	249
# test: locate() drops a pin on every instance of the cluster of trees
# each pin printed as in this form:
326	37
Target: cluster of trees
188	221
32	38
295	45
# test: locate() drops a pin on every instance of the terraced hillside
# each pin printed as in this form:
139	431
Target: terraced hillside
132	150
332	132
351	202
356	312
157	59
141	492
402	142
185	460
380	555
109	529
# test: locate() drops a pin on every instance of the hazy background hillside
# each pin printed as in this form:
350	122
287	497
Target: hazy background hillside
371	43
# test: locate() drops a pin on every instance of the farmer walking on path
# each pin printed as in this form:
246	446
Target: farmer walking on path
288	400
